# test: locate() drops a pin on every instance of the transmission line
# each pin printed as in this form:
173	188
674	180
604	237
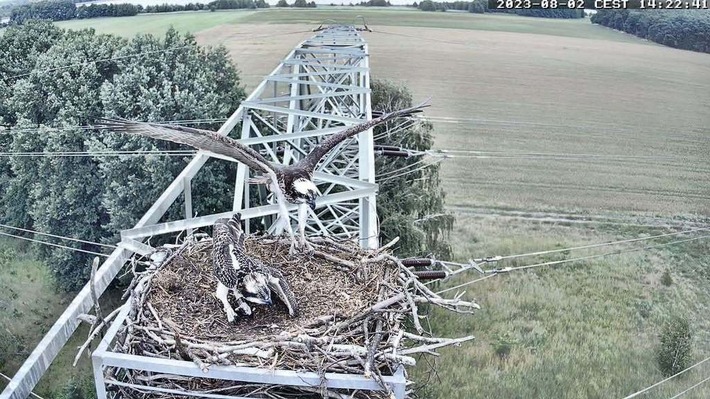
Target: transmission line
53	245
551	251
31	154
581	258
691	388
92	127
635	394
57	236
468	266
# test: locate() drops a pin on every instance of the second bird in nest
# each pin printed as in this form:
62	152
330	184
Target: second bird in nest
248	278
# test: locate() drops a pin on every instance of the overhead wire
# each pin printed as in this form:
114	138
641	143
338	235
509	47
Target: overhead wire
603	244
464	267
402	174
551	154
635	394
398	170
57	236
690	389
424	38
92	127
581	258
53	244
31	154
143	53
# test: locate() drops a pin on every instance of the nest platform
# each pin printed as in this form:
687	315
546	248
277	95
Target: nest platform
358	314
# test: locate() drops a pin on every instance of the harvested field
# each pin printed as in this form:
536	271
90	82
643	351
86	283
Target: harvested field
573	124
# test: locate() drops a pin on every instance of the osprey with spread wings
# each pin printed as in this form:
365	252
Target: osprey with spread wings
290	183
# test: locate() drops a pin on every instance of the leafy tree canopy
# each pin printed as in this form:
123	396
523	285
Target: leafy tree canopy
410	206
61	81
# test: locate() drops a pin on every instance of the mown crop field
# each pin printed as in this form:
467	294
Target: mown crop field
565	134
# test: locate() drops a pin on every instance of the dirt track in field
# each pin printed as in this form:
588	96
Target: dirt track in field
569	124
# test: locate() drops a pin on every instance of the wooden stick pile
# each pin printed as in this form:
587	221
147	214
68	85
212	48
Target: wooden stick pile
354	306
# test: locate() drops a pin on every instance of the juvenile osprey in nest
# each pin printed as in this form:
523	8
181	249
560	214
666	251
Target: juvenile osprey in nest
247	277
290	183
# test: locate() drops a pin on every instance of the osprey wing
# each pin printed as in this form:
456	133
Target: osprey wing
197	138
312	159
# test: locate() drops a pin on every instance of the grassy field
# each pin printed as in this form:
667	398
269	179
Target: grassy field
587	330
157	24
375	18
29	305
566	134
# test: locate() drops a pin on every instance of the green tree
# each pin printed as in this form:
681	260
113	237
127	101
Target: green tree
410	206
62	195
92	198
674	353
300	3
427	5
20	48
67	201
186	83
55	10
282	3
17	201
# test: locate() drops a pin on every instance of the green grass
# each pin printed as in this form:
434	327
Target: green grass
29	306
375	18
157	24
586	330
28	299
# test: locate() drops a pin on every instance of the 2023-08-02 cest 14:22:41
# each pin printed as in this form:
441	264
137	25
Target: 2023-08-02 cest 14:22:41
599	4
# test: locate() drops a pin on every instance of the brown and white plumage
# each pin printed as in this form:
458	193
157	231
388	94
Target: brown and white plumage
291	183
248	278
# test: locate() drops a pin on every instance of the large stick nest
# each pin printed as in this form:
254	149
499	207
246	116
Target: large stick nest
353	304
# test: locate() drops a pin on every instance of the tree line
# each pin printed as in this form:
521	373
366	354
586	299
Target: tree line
683	29
53	87
296	4
481	6
61	10
56	83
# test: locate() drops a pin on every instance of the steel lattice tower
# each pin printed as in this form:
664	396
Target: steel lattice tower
322	86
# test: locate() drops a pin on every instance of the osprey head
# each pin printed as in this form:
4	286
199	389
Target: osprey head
257	291
305	191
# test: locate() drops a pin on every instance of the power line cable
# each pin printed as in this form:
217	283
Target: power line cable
180	153
467	266
92	127
53	245
552	154
691	388
392	177
603	244
581	258
57	236
635	394
510	269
